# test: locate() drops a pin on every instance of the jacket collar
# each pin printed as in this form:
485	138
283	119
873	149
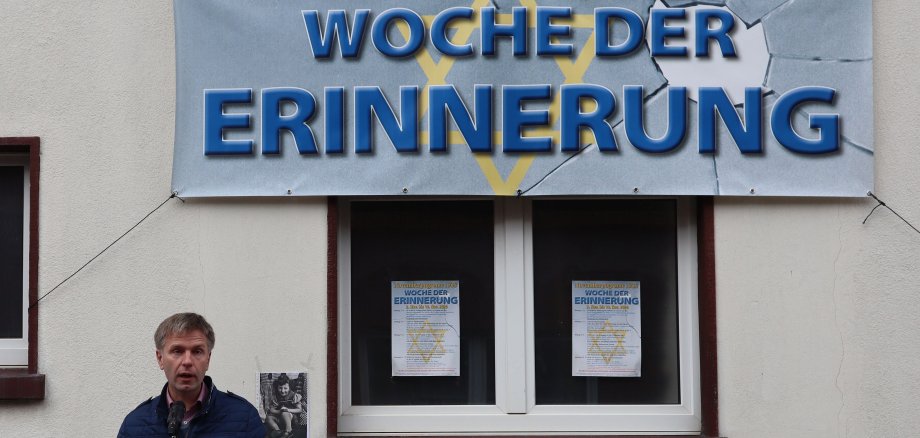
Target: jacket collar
163	410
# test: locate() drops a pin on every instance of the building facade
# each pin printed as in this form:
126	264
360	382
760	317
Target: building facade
814	310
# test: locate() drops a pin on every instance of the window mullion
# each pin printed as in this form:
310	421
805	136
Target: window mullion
510	312
528	305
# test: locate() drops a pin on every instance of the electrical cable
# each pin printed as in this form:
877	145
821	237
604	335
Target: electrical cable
174	195
883	204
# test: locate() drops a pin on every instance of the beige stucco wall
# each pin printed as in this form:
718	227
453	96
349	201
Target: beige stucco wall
817	312
96	81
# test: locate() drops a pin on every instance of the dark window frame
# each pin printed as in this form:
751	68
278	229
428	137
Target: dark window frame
25	383
706	301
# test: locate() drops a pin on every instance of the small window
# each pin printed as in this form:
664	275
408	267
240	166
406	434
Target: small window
424	242
14	250
517	363
590	240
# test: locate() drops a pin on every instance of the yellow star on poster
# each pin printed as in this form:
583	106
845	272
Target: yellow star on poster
437	72
617	350
426	335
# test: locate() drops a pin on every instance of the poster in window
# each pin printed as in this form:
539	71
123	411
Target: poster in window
425	319
606	329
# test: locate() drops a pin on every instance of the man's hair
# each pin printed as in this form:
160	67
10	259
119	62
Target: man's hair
181	323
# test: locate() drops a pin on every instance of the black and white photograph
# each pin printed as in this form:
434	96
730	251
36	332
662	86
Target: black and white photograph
283	404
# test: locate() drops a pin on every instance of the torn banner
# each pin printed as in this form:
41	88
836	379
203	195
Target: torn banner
462	98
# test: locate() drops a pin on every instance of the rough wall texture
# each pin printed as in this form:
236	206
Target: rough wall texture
96	81
817	312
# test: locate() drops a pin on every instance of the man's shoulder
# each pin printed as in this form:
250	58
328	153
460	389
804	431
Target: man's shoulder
237	397
140	419
145	409
233	401
234	414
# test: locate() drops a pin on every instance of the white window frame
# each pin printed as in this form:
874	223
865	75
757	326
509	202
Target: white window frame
15	352
515	409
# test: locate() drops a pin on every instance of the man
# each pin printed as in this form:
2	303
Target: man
183	348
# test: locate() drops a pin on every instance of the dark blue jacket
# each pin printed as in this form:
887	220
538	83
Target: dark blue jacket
224	415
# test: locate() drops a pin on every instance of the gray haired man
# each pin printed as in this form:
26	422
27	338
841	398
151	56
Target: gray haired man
189	404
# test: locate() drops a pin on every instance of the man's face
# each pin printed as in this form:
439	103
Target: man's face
184	359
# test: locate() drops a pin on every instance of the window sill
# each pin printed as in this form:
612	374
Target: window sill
543	435
16	384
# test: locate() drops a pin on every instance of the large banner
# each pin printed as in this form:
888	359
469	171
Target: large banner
480	97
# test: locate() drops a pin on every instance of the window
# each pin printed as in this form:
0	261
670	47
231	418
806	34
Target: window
19	167
517	262
14	257
391	247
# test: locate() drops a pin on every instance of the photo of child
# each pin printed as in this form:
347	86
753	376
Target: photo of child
283	404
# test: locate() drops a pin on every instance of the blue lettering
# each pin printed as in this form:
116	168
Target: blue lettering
546	30
273	122
720	34
439	37
350	39
216	121
382	24
370	102
514	118
335	120
573	119
828	125
660	31
714	101
602	31
677	120
478	134
490	30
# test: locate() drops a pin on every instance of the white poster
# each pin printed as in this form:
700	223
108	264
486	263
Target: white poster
606	329
425	328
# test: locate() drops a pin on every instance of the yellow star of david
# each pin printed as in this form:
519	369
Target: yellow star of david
618	348
436	337
437	72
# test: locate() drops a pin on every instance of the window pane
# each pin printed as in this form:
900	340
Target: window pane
11	262
410	241
605	240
